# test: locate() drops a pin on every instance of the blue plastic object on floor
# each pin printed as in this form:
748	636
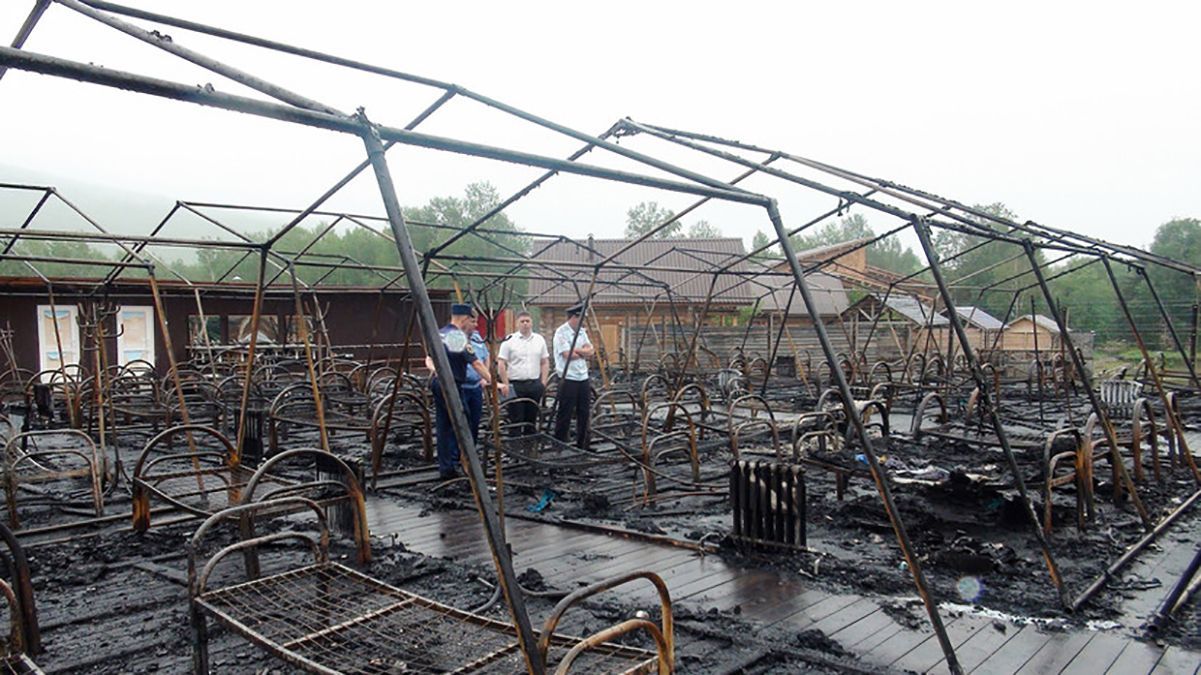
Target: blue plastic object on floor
548	496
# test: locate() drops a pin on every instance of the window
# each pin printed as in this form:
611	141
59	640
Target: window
239	329
135	335
48	343
211	330
294	329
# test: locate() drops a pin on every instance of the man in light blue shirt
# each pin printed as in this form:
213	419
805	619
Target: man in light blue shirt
572	352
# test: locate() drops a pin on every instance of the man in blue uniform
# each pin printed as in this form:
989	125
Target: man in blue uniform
472	390
461	355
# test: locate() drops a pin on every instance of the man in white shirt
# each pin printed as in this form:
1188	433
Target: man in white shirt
572	351
524	362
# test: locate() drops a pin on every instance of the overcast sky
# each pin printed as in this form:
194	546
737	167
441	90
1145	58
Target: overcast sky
1080	115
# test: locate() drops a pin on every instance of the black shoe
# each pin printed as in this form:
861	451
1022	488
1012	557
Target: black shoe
448	475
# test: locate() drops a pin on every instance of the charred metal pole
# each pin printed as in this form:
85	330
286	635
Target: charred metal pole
881	480
256	312
29	218
700	323
1190	360
677	324
985	401
506	577
1192	349
1038	363
1162	615
751	321
26	28
650	318
58	67
68	397
302	330
876	320
1132	551
1004	321
166	43
1169	410
1111	437
775	348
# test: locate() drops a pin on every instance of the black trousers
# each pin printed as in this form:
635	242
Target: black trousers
575	399
523	417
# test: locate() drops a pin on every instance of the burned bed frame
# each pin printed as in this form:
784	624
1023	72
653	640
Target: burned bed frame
24	637
325	617
841	370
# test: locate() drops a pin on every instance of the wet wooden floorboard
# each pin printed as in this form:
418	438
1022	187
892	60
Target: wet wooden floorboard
567	557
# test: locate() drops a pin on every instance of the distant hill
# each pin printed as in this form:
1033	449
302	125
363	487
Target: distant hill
116	208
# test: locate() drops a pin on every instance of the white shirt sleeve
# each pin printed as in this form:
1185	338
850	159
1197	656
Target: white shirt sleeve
544	353
562	342
505	349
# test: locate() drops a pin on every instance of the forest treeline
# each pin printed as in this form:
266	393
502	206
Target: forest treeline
991	274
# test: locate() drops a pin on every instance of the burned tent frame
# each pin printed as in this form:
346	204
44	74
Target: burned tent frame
1029	237
304	111
376	138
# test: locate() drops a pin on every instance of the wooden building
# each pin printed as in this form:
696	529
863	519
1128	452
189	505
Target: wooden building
903	324
199	318
1024	332
660	282
982	328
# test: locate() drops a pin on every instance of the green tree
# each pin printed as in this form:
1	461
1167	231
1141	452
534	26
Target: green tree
1087	294
984	271
71	250
703	229
887	253
1179	239
644	217
430	225
759	241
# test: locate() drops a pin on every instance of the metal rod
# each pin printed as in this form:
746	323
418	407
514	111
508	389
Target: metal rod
32	214
1168	606
1107	425
507	578
50	65
700	322
985	403
256	312
1130	553
1190	360
775	348
302	329
852	415
1169	410
26	28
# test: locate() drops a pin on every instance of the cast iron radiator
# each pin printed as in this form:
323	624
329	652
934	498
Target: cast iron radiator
769	504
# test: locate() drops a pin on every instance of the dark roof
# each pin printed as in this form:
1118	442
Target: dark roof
173	286
908	306
690	261
977	317
827	290
915	310
832	251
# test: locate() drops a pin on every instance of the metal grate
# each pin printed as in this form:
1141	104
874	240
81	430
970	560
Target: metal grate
769	504
328	615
